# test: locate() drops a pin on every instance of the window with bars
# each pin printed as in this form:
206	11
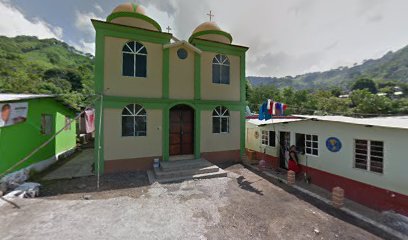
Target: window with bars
134	120
312	145
369	155
221	69
134	59
220	120
269	138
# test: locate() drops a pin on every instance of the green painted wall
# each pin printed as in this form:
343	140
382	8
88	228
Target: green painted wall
17	141
113	30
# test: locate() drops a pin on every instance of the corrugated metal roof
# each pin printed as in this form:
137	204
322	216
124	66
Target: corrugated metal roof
6	97
391	122
273	121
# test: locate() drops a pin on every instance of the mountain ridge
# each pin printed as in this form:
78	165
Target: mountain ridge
393	66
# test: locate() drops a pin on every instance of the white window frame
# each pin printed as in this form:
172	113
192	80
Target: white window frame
134	115
368	156
265	137
266	141
135	52
224	63
224	115
311	145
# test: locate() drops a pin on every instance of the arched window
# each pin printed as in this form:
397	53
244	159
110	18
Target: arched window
134	120
220	119
221	69
134	59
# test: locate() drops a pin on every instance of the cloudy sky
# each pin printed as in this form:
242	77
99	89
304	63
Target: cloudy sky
286	37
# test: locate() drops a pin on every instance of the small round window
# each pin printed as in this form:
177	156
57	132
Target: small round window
182	53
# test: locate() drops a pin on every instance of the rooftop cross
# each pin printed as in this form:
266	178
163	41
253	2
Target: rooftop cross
169	29
210	15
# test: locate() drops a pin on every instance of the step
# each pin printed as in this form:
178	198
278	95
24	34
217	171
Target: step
184	164
186	172
218	174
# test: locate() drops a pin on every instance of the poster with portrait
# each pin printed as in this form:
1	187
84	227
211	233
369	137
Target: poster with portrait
13	113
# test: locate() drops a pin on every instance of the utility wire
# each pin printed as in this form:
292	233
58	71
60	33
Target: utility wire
43	144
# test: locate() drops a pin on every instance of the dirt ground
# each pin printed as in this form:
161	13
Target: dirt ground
242	206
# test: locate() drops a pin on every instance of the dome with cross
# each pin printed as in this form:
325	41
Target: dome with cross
212	32
134	15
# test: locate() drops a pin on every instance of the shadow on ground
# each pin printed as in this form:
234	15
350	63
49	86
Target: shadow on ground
246	185
326	208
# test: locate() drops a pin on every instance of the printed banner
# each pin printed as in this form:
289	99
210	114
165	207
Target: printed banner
12	113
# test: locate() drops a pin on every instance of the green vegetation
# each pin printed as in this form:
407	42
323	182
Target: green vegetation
364	83
47	66
360	102
393	66
320	92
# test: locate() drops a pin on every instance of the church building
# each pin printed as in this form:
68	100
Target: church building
165	98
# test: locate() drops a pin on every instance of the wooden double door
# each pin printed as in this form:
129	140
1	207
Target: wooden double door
181	130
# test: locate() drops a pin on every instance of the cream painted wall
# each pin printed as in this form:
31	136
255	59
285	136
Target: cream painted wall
118	147
181	75
117	85
214	142
213	91
394	178
134	22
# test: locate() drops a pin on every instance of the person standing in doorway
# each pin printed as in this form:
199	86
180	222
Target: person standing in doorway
293	163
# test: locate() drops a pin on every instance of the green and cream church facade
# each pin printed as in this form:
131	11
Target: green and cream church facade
164	98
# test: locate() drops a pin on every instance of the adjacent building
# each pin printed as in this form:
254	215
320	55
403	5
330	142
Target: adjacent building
165	98
26	122
366	157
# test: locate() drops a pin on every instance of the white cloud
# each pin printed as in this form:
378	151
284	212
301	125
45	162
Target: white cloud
296	36
83	22
83	46
14	23
99	8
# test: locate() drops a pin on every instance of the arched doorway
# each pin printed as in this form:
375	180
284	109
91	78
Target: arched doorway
181	130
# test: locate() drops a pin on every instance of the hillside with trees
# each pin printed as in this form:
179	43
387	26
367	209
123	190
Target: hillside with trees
392	67
49	66
368	99
46	66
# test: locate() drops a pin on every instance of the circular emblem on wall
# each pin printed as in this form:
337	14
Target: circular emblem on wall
333	144
256	134
182	53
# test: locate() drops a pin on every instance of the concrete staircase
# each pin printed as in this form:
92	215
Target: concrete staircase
177	171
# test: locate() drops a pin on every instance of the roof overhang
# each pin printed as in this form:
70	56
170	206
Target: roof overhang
183	43
258	122
10	97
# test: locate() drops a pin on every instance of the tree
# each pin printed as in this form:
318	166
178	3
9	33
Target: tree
248	89
364	83
262	93
336	91
365	102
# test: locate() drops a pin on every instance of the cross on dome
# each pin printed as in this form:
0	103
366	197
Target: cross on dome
210	15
